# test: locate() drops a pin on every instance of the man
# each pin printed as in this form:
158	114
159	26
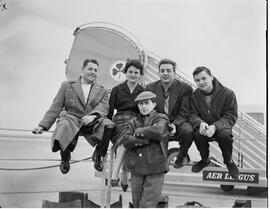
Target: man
214	113
81	106
173	98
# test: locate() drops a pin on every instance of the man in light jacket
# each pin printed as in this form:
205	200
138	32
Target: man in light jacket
80	106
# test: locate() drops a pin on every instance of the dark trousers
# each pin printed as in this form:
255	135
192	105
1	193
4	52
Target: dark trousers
224	139
185	136
146	189
101	147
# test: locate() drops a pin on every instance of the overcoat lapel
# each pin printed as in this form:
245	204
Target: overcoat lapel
92	93
77	86
173	96
160	102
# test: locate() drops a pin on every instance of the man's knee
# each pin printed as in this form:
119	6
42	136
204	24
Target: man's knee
224	136
185	131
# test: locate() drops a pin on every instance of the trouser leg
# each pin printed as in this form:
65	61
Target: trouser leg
102	146
136	189
152	188
185	137
70	148
224	139
202	145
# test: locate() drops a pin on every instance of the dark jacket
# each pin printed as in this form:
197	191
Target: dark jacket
146	141
179	98
223	111
122	100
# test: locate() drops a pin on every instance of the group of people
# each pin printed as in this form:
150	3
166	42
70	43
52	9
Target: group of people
146	119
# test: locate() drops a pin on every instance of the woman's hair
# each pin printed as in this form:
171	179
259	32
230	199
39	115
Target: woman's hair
135	63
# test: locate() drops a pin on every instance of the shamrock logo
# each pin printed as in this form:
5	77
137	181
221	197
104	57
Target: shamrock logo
117	71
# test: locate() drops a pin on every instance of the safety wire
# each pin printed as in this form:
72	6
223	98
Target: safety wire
34	168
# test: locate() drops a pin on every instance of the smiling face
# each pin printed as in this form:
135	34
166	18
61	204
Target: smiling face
204	81
146	106
90	72
166	73
133	74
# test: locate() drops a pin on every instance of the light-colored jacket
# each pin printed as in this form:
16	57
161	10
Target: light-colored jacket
69	107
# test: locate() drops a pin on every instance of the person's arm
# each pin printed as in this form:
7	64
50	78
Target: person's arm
130	141
184	111
230	113
194	118
102	107
112	102
55	109
155	132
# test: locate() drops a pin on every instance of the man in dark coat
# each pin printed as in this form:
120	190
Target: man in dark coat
80	106
173	97
214	113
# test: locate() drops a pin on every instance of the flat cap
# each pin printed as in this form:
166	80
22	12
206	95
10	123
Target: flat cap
145	95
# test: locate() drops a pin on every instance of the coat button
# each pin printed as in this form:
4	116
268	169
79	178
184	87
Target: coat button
140	154
136	144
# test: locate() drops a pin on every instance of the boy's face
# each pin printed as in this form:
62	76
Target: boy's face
146	106
204	81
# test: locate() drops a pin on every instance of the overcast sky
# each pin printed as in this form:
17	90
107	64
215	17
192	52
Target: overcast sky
228	36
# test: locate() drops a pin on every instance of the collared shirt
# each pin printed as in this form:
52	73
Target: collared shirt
122	100
86	89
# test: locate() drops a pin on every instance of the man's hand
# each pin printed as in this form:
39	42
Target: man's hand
203	128
173	127
211	131
88	119
37	130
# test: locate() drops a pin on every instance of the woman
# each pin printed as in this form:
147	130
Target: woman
122	99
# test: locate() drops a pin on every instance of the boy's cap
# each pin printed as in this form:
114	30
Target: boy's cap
145	95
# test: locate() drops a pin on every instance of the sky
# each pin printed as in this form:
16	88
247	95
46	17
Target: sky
36	36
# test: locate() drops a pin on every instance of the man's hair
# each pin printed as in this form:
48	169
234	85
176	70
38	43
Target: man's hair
167	61
201	69
86	61
135	63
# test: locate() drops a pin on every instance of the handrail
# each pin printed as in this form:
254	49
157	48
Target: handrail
123	32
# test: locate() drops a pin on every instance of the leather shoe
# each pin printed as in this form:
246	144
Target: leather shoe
97	162
197	167
124	186
233	170
179	162
114	182
64	165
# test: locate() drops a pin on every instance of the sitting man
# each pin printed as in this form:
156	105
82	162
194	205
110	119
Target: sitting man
213	114
173	97
81	106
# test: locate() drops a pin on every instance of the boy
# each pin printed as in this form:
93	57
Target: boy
146	142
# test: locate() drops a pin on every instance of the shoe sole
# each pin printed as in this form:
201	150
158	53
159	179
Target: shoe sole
198	171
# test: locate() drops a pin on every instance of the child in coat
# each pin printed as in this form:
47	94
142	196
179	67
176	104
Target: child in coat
146	141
